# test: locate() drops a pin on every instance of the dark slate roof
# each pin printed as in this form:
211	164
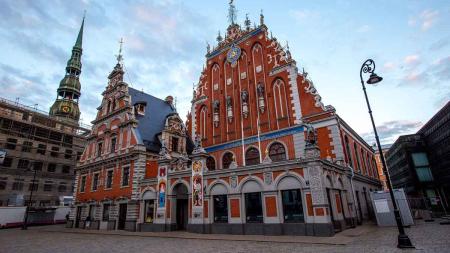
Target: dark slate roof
152	123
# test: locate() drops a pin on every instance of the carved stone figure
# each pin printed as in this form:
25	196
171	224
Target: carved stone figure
311	135
260	89
244	96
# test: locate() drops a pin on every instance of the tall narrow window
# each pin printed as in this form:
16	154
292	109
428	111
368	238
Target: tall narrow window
203	122
227	159
363	162
125	176
253	207
220	208
279	99
113	144
349	151
175	144
99	149
277	152
83	183
95	181
252	156
358	164
109	176
292	206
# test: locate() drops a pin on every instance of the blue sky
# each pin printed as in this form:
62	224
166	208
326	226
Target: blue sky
165	44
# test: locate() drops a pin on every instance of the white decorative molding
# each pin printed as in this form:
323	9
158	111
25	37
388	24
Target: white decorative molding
243	75
295	94
311	89
258	69
228	81
216	86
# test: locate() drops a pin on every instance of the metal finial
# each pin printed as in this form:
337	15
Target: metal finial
219	37
261	18
232	13
119	57
247	22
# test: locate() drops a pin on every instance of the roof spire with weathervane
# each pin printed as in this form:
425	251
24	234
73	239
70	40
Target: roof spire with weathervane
119	56
232	13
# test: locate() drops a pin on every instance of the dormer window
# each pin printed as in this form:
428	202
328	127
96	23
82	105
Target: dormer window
140	108
174	144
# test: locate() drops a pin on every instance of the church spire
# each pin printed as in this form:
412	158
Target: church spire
68	93
79	42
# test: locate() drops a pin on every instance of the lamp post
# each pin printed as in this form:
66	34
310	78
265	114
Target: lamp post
369	67
25	220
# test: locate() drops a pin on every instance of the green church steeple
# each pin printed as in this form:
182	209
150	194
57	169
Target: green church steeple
69	90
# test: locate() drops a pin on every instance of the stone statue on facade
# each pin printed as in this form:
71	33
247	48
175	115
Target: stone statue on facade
311	135
198	145
164	152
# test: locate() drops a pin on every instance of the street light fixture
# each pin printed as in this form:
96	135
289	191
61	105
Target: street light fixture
369	67
27	210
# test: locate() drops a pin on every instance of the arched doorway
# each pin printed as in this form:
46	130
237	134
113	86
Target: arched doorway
181	201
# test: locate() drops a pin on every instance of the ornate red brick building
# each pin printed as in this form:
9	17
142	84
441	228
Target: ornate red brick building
269	157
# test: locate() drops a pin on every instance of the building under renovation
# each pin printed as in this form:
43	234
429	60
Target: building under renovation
42	146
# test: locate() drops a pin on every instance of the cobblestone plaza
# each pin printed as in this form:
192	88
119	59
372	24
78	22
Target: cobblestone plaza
427	237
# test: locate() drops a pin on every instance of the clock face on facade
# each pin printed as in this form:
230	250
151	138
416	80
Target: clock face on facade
233	54
65	109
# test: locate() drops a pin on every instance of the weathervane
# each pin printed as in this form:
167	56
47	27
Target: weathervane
232	13
119	57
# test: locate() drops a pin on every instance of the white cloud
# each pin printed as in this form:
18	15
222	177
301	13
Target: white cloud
412	60
389	66
363	29
302	15
428	18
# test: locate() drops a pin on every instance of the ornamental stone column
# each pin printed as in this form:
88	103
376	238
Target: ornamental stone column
162	188
321	225
198	157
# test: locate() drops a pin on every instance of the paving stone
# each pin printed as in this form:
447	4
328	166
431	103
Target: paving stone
427	237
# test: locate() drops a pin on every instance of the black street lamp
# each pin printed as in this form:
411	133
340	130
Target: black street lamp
25	220
369	67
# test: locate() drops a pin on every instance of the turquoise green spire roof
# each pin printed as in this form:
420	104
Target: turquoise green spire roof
74	63
69	91
79	42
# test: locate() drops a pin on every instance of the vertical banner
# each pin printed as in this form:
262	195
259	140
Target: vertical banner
197	184
162	184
